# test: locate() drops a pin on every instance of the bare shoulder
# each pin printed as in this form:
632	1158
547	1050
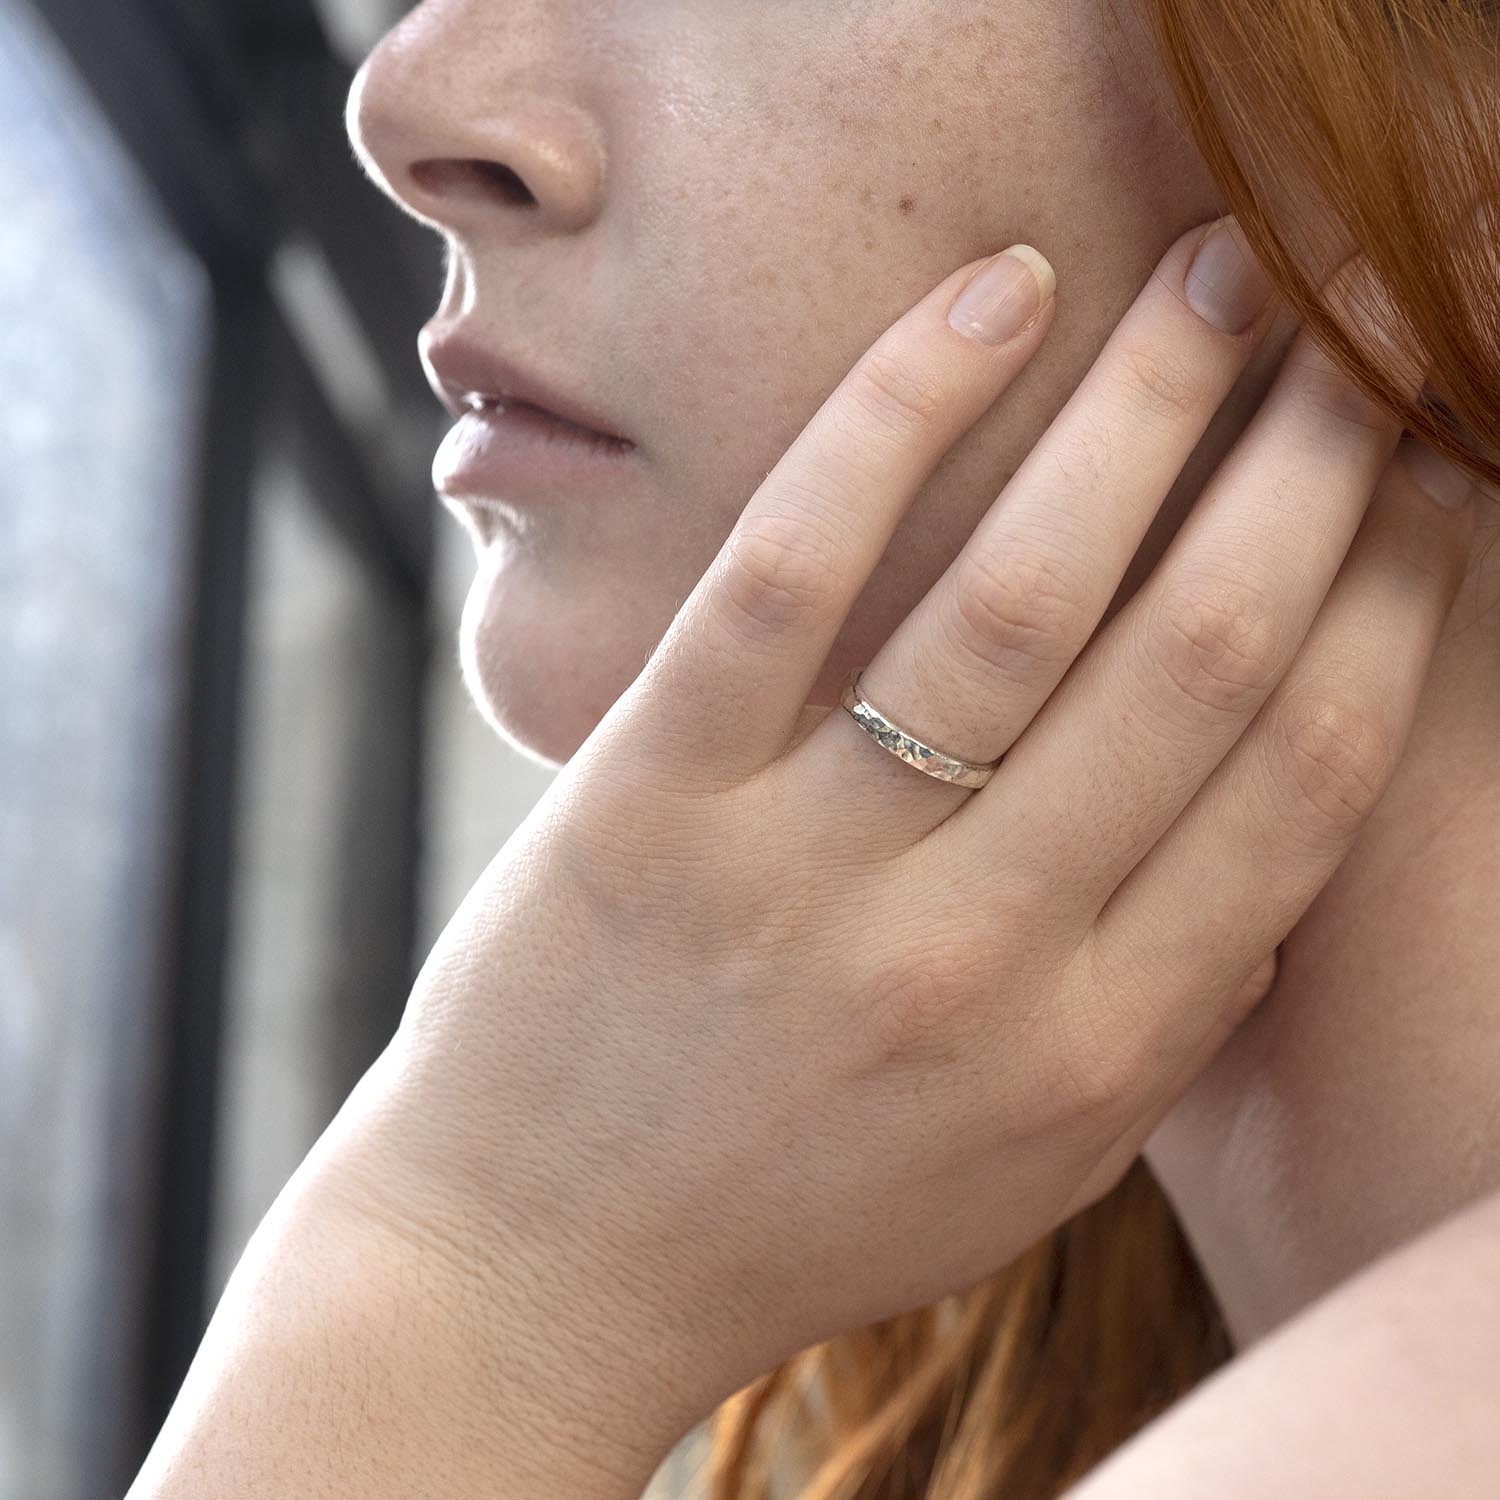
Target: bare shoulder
1384	1388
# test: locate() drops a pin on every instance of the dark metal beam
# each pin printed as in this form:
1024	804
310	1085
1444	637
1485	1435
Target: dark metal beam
155	104
388	266
386	519
379	820
203	834
236	118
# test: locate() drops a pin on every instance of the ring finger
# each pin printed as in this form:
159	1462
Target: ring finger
977	657
1296	788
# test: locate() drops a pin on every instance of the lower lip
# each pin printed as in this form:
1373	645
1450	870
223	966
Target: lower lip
502	453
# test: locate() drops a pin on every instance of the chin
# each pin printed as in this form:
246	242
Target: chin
544	665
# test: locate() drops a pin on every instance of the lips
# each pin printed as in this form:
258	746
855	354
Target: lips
467	377
517	439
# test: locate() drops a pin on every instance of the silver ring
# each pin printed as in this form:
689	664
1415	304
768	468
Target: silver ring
908	747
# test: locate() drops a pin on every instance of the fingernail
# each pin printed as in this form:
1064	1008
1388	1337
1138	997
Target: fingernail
1444	481
1003	295
1225	284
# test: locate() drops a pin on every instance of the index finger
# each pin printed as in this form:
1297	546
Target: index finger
749	641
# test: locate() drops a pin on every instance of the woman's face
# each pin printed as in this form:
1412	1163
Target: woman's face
716	206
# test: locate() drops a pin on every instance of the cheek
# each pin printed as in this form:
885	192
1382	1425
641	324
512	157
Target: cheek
832	194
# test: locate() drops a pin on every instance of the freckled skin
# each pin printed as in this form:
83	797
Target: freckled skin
782	182
731	203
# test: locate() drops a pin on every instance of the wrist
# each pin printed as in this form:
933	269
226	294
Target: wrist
575	1345
540	1368
370	1341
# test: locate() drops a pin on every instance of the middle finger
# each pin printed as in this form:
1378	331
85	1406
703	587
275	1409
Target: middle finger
972	663
1163	693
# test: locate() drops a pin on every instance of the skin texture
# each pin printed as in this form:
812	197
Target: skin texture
1347	1399
726	206
782	181
613	1163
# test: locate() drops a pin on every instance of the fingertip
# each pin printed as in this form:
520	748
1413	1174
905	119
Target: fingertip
1005	296
1436	475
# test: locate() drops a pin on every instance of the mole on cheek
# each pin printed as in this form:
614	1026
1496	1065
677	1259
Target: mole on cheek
905	206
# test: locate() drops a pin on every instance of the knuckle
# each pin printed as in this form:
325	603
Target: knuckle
1336	757
1160	385
780	571
1016	610
901	397
1091	1079
1215	644
1100	1045
921	1004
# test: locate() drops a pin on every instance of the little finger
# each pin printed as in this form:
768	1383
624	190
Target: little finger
1238	869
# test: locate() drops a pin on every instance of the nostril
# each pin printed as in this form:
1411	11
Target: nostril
505	181
477	178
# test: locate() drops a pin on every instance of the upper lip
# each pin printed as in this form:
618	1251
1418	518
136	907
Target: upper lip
462	372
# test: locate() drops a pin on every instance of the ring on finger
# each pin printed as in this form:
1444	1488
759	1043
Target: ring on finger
906	746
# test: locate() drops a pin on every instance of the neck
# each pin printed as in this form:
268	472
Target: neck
1358	1104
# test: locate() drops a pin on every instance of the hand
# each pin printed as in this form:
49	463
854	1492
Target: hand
753	1033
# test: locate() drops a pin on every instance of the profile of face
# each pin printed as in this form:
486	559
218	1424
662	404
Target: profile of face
692	217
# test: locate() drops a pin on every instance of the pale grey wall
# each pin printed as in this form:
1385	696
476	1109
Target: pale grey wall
353	25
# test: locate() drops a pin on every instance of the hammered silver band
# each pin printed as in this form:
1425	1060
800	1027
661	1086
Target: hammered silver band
907	747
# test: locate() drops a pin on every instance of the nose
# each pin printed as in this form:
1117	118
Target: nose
441	120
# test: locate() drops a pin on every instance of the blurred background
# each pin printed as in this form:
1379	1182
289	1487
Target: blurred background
241	786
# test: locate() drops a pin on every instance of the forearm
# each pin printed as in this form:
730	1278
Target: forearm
352	1356
1385	1389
